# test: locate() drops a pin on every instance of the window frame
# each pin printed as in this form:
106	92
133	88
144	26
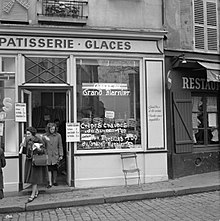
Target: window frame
204	25
206	145
140	147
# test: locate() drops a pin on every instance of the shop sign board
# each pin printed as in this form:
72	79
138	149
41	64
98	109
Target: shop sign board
155	105
110	114
77	44
20	112
72	132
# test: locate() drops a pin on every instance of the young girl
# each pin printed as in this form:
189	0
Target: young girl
54	146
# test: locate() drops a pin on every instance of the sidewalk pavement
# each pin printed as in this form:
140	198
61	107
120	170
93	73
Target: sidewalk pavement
64	196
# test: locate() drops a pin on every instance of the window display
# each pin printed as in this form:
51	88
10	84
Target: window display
108	104
205	120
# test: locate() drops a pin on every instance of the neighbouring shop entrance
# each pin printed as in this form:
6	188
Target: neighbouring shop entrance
46	105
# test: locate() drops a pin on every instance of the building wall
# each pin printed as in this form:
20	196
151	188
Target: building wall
179	24
138	22
138	14
120	14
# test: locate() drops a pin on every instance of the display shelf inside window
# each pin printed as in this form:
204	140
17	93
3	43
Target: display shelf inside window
107	133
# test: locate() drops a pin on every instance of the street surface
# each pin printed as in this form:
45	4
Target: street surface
195	207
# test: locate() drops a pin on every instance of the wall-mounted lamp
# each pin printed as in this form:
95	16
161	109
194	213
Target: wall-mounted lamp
181	58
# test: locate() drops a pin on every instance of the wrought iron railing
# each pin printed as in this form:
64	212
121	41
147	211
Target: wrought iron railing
55	8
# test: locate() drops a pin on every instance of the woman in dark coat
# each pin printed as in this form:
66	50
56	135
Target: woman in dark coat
2	164
34	174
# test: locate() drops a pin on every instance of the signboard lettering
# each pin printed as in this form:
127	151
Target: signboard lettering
199	84
20	112
77	44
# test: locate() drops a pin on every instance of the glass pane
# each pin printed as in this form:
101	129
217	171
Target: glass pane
45	70
214	136
7	117
108	103
212	120
211	104
8	64
196	104
199	136
8	71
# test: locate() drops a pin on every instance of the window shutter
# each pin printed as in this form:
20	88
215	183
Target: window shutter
205	25
182	113
199	24
211	12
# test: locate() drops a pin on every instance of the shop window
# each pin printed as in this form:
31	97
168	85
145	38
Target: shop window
45	70
205	120
7	100
108	104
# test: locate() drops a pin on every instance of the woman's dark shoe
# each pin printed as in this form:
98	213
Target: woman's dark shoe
30	199
49	186
55	184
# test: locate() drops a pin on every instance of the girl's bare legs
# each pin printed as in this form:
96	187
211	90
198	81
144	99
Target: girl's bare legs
50	178
55	177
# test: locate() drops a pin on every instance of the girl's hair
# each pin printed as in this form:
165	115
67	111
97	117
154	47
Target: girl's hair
32	130
49	125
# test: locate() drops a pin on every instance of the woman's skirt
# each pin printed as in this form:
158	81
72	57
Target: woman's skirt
35	174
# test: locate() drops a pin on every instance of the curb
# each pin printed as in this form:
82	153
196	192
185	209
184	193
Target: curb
64	203
180	191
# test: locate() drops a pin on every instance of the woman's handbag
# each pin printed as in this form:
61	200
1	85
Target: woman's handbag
40	160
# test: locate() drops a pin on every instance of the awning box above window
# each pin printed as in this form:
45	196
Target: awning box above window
212	70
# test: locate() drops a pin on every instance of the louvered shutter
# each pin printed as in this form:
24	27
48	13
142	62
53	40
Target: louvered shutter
199	24
211	12
205	25
182	113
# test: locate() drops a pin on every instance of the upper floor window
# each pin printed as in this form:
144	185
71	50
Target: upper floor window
206	25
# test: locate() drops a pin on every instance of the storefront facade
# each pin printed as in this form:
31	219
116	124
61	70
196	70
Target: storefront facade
193	98
107	90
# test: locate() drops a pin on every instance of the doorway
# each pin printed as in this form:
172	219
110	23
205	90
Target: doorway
50	105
